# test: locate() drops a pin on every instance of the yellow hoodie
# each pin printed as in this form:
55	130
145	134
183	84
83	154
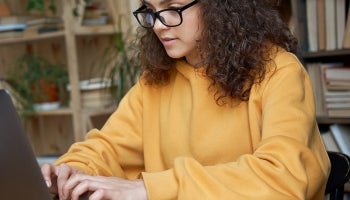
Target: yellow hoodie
185	146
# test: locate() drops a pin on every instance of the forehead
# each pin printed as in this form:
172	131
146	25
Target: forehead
162	2
156	1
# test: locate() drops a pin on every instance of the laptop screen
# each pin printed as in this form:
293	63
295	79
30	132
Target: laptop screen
20	173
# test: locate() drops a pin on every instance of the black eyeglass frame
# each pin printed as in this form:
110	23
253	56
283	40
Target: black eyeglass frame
156	15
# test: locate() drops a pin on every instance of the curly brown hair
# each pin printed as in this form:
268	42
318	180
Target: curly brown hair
237	34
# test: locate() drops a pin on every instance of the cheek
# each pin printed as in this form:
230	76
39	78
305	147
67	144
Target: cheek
193	24
192	30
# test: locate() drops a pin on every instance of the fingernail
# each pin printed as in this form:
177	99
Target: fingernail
48	183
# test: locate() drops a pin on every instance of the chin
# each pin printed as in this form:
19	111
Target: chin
175	55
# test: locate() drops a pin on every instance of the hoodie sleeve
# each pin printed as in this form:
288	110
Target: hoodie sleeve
116	149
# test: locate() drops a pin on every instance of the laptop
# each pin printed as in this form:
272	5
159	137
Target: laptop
20	174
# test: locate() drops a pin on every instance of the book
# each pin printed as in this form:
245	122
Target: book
331	38
337	99
344	94
341	73
339	105
97	103
338	85
102	20
314	71
23	19
346	40
339	113
11	34
311	16
321	20
338	79
324	67
341	134
340	20
13	27
329	141
12	19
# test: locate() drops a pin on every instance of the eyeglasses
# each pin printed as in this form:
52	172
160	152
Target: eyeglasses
170	17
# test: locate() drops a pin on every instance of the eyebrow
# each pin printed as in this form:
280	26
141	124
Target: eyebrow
162	2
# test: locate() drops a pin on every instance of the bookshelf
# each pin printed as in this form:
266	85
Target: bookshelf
324	46
53	131
311	30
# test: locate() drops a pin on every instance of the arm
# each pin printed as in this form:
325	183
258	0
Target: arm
118	143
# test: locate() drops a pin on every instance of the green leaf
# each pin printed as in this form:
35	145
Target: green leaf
35	5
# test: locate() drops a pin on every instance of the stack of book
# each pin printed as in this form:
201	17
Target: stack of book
331	82
95	13
11	27
19	26
95	93
336	80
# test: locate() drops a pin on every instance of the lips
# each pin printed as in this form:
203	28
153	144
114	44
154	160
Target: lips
167	41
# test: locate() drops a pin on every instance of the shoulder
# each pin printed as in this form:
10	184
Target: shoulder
284	71
284	63
283	59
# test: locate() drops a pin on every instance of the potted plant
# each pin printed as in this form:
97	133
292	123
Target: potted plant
119	64
48	12
40	6
36	82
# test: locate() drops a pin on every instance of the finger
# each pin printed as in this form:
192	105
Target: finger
97	195
81	184
82	189
75	182
47	173
63	172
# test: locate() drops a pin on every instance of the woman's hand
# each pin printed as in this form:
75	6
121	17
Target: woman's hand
100	187
56	176
70	183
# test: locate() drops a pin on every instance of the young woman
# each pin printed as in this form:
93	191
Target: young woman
223	110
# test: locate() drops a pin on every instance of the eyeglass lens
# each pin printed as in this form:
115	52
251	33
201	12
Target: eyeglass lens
167	17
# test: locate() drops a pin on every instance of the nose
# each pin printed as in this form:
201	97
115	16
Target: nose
158	24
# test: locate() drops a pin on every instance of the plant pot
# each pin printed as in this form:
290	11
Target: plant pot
45	91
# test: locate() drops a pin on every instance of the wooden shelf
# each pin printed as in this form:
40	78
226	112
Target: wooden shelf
69	111
328	120
319	54
69	124
33	37
95	30
60	111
